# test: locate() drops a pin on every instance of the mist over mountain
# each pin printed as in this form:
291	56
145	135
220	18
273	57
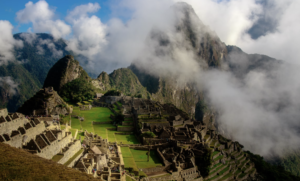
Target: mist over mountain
179	60
25	76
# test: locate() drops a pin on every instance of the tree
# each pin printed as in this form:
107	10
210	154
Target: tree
77	90
148	134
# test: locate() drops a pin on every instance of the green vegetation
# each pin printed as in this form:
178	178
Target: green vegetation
56	158
113	93
126	81
291	161
205	161
148	135
128	178
99	114
269	171
135	159
77	90
141	157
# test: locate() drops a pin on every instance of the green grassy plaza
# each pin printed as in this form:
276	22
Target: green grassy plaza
98	114
134	159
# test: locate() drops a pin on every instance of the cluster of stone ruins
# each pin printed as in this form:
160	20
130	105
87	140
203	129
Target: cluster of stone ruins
179	142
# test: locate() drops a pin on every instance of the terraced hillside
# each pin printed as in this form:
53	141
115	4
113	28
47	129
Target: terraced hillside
228	161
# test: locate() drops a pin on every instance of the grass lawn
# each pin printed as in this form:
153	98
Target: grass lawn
141	157
56	158
99	114
111	136
128	178
73	131
96	114
62	127
81	134
124	126
100	129
75	124
126	139
126	153
129	162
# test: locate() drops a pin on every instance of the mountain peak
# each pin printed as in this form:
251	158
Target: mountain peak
63	71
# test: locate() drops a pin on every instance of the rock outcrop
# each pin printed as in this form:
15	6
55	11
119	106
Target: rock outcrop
45	102
65	70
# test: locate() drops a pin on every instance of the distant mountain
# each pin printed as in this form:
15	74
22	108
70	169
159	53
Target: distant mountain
38	55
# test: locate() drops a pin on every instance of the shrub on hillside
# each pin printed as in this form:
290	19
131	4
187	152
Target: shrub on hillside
77	90
113	93
148	135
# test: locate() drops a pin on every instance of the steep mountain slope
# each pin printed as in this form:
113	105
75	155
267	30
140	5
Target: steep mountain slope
12	98
39	53
122	79
64	71
34	60
207	49
204	42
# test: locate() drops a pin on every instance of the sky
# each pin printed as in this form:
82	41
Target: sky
10	8
263	104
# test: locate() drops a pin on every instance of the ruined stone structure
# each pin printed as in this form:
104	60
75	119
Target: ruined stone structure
45	102
85	107
103	160
36	136
181	142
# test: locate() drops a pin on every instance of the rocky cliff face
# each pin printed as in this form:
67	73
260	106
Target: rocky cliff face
64	71
45	102
207	49
205	44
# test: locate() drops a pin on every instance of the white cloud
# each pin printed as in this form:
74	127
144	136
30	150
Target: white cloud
284	42
82	11
89	33
42	18
7	43
29	37
50	45
10	83
229	19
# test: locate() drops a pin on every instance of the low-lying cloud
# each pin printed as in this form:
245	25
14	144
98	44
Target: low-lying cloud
258	106
7	43
10	84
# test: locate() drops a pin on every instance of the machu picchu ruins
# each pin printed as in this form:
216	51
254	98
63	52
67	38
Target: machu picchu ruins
176	146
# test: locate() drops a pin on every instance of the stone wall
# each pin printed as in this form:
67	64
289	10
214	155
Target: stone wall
73	149
129	123
127	128
17	139
3	112
55	147
176	123
73	163
190	173
153	169
162	124
8	126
